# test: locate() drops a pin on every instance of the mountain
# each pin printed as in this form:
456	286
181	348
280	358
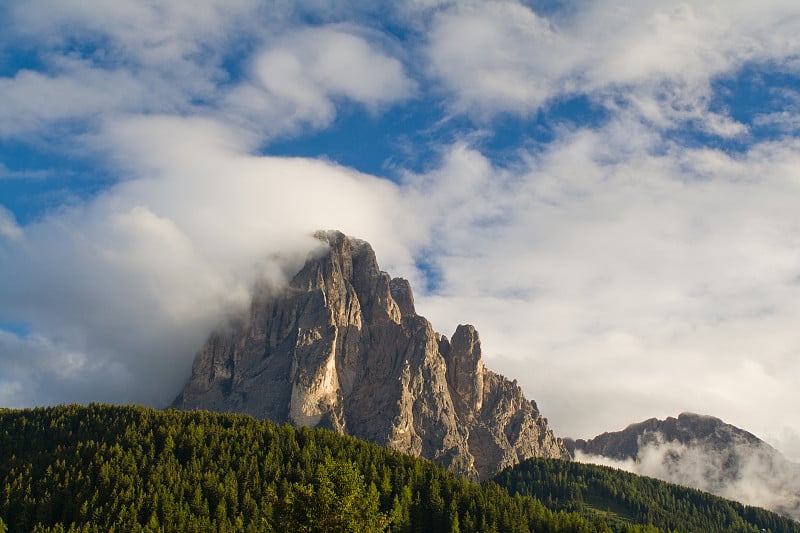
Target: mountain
343	348
702	452
687	429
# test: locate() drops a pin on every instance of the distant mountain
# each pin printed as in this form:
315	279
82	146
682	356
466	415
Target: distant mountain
687	429
343	348
702	452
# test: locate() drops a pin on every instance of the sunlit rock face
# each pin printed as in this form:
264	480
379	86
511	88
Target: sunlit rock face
343	348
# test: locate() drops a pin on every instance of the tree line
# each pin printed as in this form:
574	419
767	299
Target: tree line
121	468
625	497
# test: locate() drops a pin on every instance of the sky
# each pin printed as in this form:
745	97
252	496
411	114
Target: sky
607	190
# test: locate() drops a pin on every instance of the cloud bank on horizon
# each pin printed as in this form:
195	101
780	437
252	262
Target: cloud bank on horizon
609	192
752	474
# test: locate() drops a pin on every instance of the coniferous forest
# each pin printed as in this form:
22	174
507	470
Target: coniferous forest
116	468
621	497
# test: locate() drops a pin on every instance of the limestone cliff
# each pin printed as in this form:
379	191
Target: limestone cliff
343	348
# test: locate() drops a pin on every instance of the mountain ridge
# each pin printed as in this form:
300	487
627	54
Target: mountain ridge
686	429
343	348
703	452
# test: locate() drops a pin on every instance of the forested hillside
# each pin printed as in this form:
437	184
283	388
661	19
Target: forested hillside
621	497
107	468
104	468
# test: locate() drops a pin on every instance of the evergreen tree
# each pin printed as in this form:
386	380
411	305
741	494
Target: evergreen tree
337	501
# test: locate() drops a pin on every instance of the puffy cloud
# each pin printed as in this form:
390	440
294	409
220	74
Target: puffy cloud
499	56
134	279
38	103
156	34
751	474
168	58
35	372
298	79
129	57
604	273
657	58
8	225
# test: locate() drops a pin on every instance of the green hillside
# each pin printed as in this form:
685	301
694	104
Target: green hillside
621	497
107	468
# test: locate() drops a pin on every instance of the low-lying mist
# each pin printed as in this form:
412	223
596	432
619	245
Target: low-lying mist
754	474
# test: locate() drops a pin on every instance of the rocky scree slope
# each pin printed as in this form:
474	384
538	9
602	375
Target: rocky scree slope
343	348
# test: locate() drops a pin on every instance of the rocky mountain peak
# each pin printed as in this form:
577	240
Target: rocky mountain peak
343	348
465	366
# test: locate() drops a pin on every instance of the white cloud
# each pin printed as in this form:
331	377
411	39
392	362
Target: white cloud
36	371
168	58
754	475
499	56
34	102
8	225
10	394
298	79
95	60
157	34
135	279
637	282
784	120
657	58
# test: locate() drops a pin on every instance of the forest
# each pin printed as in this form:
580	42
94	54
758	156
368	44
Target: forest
120	468
621	497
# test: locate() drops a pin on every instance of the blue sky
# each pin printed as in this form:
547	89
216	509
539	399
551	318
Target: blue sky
608	191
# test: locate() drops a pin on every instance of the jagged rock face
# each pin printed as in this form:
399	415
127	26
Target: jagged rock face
343	348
